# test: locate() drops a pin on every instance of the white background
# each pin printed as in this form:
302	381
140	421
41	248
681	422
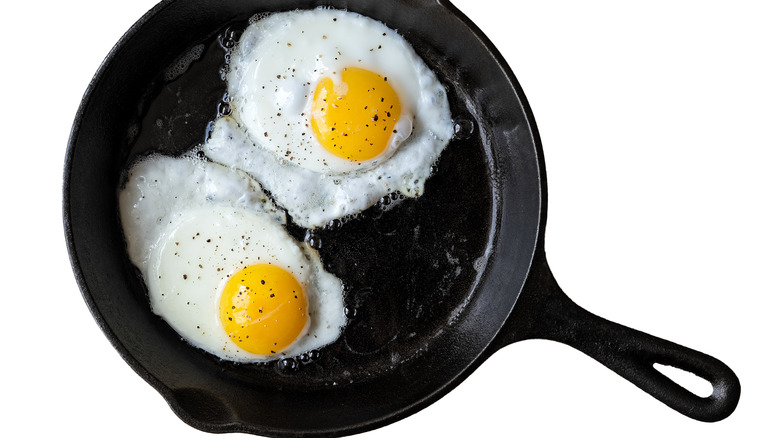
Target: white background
660	130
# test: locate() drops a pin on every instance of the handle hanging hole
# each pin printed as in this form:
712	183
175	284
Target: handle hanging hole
686	379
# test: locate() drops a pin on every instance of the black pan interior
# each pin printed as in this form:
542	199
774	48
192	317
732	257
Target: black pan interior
429	281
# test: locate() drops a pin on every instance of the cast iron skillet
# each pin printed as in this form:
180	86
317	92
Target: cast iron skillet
434	285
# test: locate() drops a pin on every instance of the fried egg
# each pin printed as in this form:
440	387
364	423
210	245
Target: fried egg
219	266
331	111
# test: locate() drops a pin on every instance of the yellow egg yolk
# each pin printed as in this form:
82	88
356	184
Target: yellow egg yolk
263	309
355	118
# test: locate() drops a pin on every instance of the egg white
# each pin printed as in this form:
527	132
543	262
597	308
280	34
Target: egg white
268	135
192	224
204	248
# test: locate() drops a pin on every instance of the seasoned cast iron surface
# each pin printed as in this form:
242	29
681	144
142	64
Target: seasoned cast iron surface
408	265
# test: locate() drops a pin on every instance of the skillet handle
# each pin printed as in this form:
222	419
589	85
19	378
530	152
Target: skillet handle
544	311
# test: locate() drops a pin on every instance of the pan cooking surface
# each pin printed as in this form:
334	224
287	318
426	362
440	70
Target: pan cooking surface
409	266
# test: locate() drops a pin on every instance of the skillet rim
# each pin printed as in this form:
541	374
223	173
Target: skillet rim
73	137
168	394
